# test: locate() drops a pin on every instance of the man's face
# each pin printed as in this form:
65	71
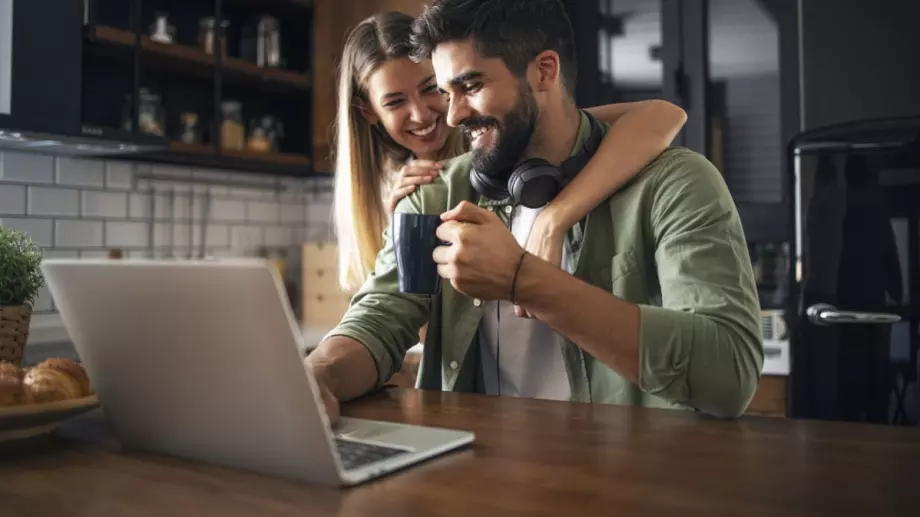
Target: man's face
496	110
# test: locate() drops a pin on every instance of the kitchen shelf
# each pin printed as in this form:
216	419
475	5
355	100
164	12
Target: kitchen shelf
293	160
205	155
281	5
297	160
192	61
120	60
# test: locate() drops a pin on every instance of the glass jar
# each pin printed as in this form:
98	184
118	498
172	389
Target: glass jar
189	132
265	134
207	35
150	114
232	130
161	30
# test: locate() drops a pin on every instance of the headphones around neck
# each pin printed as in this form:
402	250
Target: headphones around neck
535	182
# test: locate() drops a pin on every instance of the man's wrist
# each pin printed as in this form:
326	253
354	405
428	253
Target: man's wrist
321	371
514	278
531	276
557	218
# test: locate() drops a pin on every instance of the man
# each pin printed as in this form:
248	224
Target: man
657	304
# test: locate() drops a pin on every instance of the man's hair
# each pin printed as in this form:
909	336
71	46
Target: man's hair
513	30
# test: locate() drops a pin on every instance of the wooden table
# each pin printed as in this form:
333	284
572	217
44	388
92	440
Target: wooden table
530	458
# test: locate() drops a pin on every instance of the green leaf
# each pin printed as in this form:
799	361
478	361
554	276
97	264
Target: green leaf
20	268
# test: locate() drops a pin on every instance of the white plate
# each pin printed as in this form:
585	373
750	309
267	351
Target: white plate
28	420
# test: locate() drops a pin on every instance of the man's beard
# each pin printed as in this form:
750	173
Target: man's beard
513	135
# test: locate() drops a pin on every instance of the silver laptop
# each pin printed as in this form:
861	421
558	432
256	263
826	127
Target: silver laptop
202	360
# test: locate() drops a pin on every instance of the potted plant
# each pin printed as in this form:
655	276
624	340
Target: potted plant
20	280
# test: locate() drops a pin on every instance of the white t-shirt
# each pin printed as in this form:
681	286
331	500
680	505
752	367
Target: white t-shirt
529	352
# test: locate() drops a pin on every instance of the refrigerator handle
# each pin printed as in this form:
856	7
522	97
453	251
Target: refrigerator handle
827	314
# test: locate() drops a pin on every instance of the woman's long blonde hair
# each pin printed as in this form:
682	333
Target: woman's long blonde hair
365	155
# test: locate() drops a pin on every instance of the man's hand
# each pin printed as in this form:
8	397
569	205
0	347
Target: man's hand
483	254
329	400
343	369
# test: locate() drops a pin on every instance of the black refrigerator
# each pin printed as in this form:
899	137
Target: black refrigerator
855	278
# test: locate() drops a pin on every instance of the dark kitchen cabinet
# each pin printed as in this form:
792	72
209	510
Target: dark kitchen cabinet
88	71
40	79
41	65
196	71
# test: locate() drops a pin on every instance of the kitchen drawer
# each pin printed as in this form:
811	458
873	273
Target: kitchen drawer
770	399
320	279
320	254
324	310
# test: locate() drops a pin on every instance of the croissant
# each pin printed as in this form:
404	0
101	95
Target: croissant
11	392
49	385
72	369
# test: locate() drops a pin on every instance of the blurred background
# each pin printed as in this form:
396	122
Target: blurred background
201	128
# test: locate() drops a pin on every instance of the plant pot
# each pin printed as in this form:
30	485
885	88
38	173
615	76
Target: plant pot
14	332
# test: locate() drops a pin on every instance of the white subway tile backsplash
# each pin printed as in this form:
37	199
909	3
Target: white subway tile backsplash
182	233
173	240
39	230
293	186
105	204
218	235
127	234
215	176
78	234
255	179
171	171
292	213
102	204
263	212
162	206
161	235
12	200
279	236
319	212
319	233
42	302
138	205
81	172
300	234
60	254
246	238
224	253
323	196
199	207
119	175
94	254
247	193
228	210
54	201
184	207
33	168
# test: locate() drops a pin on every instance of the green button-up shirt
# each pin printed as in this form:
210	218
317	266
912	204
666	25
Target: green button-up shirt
669	241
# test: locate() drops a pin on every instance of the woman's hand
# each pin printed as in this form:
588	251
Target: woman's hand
546	240
416	172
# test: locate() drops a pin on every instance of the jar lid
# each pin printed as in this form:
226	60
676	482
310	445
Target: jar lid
208	22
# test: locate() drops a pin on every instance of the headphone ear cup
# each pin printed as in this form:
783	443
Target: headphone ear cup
488	186
534	183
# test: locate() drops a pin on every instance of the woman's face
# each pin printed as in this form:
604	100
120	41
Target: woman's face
404	97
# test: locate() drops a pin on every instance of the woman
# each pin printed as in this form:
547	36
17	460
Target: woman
392	133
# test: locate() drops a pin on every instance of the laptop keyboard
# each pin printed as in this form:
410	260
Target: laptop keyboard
358	454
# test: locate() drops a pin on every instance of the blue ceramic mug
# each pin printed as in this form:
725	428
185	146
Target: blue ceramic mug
414	240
